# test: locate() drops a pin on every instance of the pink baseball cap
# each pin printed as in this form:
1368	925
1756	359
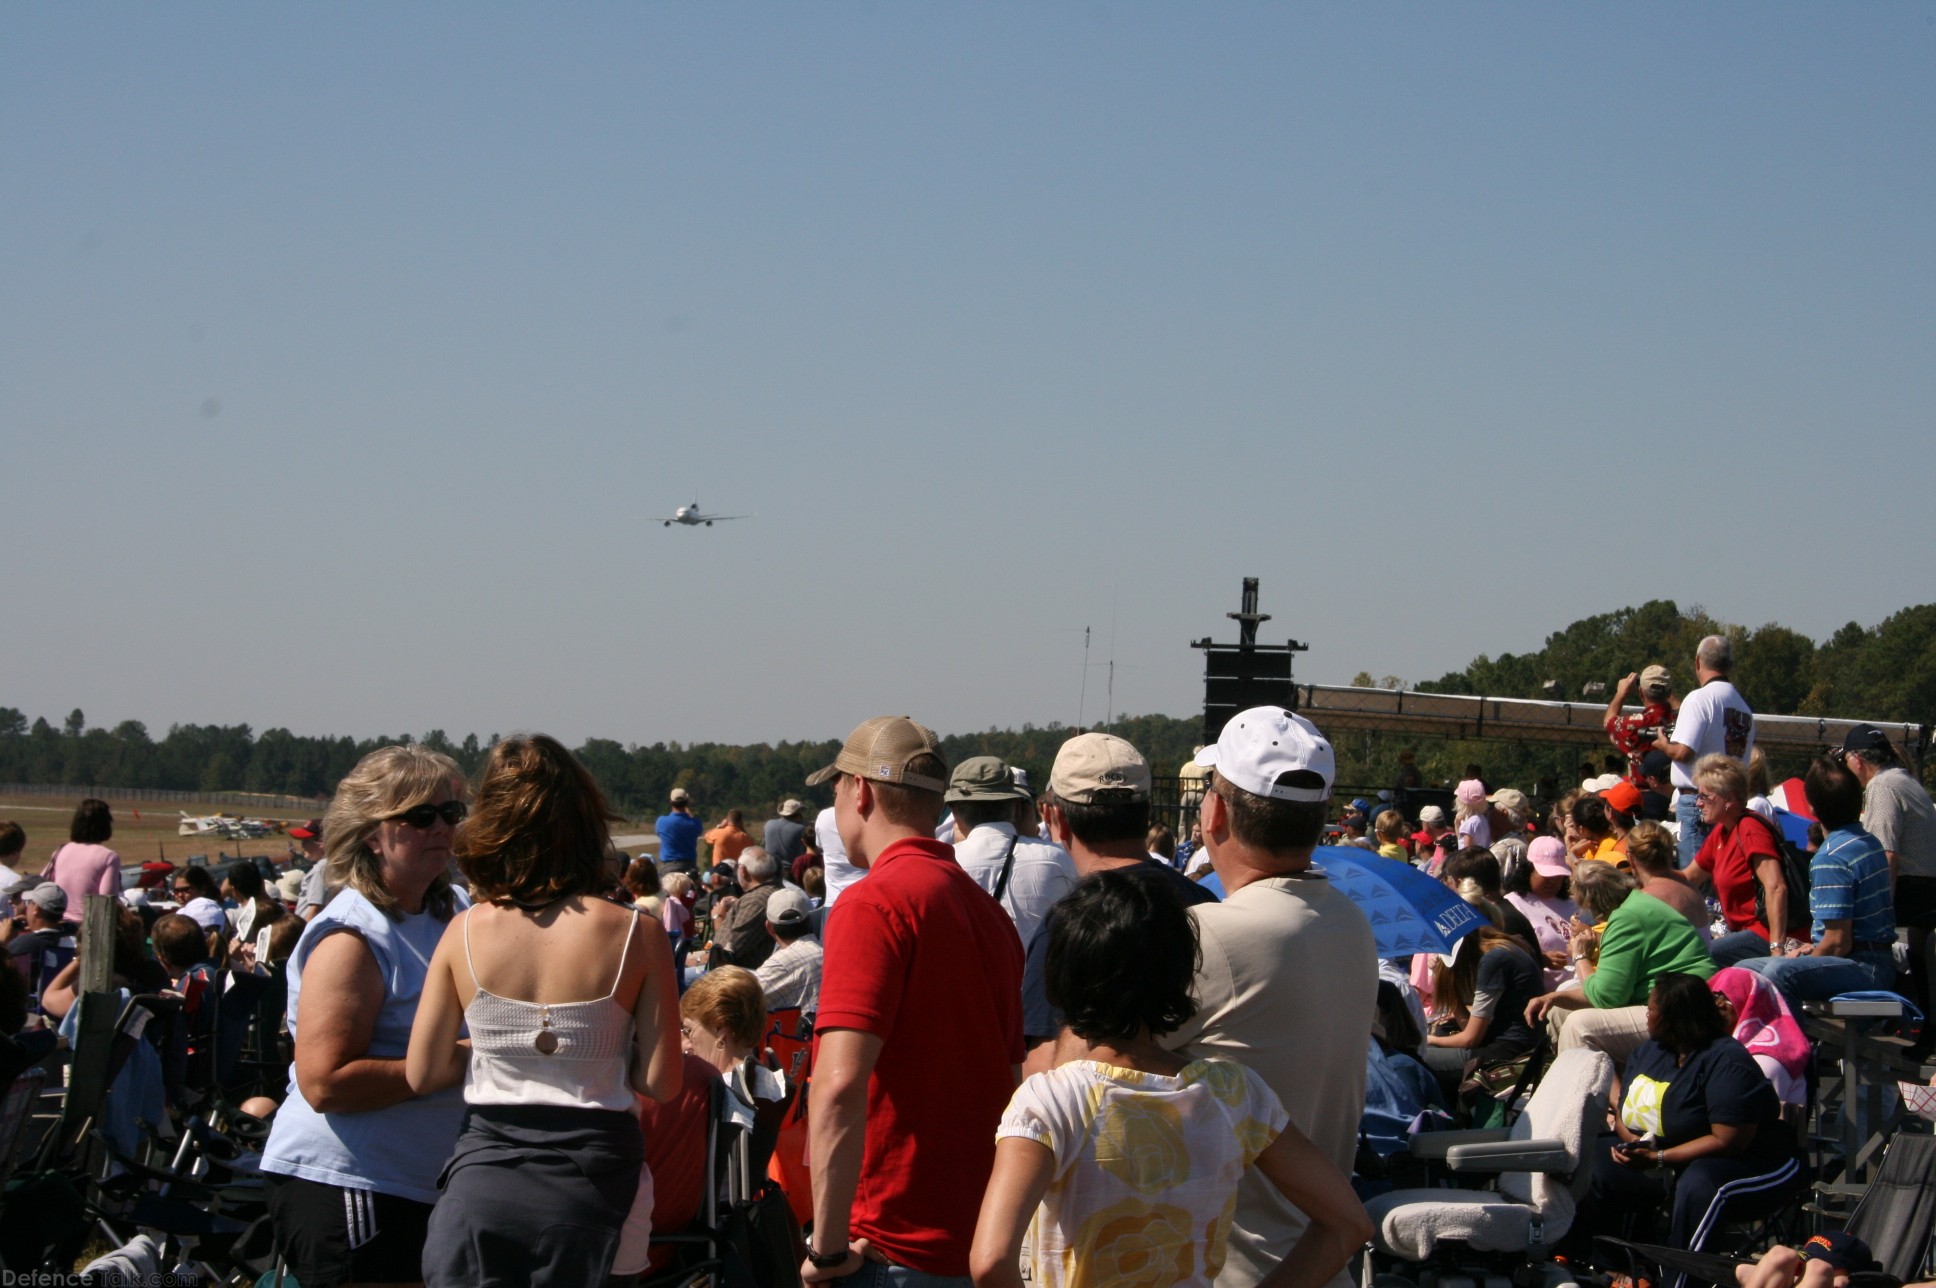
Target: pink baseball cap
1470	792
1548	857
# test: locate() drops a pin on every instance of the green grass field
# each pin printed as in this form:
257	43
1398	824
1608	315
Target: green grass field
143	831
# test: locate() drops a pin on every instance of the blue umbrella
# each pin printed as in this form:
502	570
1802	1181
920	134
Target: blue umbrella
1409	911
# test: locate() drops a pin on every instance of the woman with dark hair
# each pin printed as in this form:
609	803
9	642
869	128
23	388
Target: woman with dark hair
1694	1101
1122	1160
85	865
643	888
570	1001
254	909
1398	1086
1853	935
1538	887
353	1154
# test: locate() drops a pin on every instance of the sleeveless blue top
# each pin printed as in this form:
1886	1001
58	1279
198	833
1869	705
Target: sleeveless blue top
399	1150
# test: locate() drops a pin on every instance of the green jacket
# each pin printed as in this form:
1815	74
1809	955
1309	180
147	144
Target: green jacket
1644	940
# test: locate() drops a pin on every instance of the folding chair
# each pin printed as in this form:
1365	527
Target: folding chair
1896	1217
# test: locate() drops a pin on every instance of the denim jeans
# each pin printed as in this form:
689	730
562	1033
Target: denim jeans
1816	979
1737	948
877	1274
1693	830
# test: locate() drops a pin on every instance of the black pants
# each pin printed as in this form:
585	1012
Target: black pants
1703	1196
331	1235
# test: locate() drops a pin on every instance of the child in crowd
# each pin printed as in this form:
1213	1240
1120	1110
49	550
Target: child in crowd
1389	828
1122	1162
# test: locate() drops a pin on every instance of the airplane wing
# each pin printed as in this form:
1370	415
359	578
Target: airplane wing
713	517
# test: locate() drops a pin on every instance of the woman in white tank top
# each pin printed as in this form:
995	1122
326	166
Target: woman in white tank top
571	1006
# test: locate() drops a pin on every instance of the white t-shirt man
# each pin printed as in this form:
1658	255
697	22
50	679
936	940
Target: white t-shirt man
839	873
1714	718
1042	873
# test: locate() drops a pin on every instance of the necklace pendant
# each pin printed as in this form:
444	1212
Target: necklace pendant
546	1042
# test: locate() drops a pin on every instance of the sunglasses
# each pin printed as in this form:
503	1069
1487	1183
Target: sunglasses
424	817
182	889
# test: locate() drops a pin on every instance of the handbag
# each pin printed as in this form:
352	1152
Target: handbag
1794	875
763	1246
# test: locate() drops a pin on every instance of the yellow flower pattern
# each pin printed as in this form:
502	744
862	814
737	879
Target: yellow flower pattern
1146	1168
1134	1244
1140	1140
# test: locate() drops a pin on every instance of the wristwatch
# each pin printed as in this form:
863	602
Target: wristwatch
828	1260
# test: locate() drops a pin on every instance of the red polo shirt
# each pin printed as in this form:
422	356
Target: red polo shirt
1730	855
924	959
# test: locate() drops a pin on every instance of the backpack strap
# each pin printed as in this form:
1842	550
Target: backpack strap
1008	869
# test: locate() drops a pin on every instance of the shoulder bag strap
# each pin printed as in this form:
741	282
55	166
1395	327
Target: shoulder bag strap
1008	867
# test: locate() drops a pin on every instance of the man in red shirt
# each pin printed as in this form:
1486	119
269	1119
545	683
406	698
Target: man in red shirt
918	1045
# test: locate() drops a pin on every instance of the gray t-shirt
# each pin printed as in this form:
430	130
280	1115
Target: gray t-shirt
316	891
784	839
1897	812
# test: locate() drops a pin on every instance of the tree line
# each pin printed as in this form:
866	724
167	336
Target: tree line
1885	672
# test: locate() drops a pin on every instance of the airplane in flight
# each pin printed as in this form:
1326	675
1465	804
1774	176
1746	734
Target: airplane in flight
692	516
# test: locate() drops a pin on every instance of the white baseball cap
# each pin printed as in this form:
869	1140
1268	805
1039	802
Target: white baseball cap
204	912
1260	746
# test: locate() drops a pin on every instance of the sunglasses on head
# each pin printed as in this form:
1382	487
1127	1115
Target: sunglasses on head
424	817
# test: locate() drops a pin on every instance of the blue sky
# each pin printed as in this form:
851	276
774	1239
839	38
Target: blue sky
352	353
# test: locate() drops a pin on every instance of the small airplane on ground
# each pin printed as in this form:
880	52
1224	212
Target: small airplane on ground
226	825
691	516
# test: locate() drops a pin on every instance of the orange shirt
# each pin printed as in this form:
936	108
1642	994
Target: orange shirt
727	841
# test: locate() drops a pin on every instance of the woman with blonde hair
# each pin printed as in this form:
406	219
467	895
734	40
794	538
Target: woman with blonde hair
569	998
676	913
352	1159
1741	856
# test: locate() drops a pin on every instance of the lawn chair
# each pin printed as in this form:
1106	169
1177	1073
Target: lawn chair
1896	1217
789	1036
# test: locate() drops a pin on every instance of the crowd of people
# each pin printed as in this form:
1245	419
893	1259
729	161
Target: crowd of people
1033	1038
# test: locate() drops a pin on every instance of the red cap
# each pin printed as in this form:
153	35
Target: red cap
1623	796
308	831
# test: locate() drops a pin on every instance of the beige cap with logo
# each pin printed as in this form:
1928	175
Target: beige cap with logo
1098	768
880	750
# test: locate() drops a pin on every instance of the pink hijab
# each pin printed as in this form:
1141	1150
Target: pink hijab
1764	1024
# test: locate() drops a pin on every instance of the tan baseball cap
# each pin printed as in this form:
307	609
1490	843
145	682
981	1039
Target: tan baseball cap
1656	681
1511	798
983	778
1098	768
680	796
880	751
789	807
